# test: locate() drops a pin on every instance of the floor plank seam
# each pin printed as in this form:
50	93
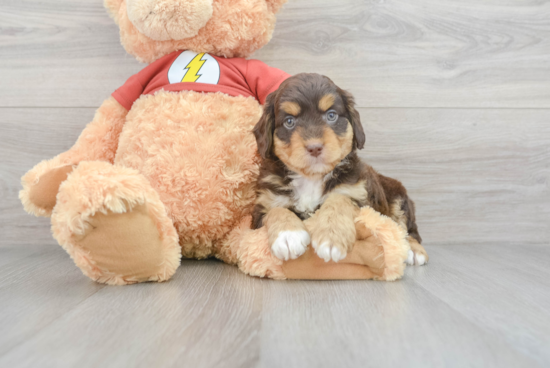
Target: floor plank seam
34	333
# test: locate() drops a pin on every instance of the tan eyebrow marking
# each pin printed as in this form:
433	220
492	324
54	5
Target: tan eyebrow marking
291	108
326	102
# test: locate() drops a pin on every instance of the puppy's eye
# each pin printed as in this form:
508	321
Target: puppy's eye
290	122
332	116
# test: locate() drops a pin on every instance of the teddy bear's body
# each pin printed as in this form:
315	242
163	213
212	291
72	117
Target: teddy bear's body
220	167
168	164
205	186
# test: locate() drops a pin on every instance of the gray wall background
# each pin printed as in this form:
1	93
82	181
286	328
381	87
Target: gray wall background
454	97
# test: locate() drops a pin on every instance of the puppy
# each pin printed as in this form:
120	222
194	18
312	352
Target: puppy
311	180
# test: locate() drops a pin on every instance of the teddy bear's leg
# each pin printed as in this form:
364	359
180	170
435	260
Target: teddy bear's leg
379	253
114	226
249	250
197	152
382	244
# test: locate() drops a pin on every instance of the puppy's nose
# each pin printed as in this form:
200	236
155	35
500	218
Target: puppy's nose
315	149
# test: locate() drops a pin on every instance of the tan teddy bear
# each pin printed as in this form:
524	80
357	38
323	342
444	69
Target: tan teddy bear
168	165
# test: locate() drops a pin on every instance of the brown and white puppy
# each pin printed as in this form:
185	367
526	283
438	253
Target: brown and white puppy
312	182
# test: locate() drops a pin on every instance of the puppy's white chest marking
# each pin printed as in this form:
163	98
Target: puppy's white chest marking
308	194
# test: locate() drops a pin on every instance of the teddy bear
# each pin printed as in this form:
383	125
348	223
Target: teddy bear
167	167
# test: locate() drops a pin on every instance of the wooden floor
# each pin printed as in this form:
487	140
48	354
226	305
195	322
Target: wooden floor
455	101
482	306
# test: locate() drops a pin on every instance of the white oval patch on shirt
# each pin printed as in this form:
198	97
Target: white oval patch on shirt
192	67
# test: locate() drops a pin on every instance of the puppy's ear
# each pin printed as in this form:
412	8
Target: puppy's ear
264	129
355	119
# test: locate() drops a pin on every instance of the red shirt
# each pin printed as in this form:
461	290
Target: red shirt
190	71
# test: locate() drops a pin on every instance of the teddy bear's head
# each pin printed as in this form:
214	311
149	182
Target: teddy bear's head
150	29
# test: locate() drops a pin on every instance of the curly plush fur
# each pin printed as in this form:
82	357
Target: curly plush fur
196	150
236	28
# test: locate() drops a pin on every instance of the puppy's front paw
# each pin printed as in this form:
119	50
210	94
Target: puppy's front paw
417	253
333	246
332	228
290	244
420	259
417	258
328	251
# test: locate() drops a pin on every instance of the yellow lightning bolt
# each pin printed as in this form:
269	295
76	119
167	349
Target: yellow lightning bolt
193	68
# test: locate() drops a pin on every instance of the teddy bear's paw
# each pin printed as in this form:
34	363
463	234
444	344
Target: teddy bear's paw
124	248
290	244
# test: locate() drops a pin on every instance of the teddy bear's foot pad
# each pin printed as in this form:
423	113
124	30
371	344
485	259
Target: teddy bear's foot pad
310	267
127	245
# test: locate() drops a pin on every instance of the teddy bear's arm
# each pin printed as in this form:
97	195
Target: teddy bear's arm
97	142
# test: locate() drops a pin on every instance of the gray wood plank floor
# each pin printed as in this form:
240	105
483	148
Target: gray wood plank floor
455	101
475	306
